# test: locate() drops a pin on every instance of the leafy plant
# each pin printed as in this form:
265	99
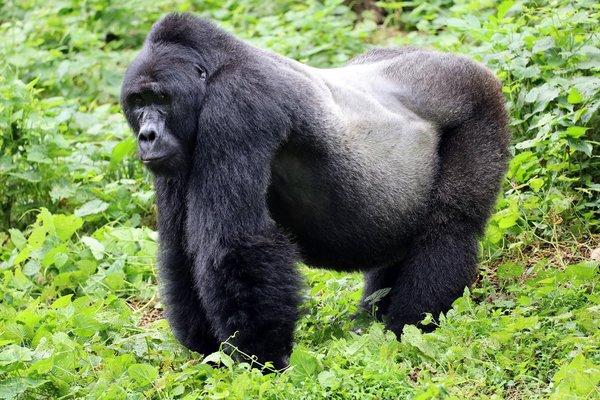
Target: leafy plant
80	316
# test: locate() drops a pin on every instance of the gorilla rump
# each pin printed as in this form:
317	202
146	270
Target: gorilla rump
389	165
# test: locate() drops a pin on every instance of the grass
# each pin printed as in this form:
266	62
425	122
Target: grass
79	312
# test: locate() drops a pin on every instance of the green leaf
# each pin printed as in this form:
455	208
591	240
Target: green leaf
328	380
504	7
574	96
85	325
542	94
143	374
218	357
414	337
304	364
15	387
43	366
508	220
377	296
20	280
66	225
37	237
91	207
576	131
17	238
583	146
62	302
510	270
494	234
536	184
578	378
583	271
15	354
95	247
520	323
543	44
121	150
29	176
115	280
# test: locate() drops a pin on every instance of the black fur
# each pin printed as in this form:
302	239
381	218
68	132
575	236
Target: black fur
247	167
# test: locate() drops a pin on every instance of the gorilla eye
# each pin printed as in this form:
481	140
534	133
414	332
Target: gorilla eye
137	100
201	72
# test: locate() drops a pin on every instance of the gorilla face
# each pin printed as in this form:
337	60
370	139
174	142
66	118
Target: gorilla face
161	97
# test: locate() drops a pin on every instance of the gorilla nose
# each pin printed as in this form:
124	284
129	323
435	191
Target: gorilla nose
147	139
147	135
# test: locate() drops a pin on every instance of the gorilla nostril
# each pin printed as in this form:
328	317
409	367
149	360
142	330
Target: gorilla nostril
147	135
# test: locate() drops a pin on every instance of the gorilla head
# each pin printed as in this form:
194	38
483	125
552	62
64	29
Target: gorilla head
162	94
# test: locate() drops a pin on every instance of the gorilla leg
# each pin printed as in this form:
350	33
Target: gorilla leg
441	262
442	259
378	279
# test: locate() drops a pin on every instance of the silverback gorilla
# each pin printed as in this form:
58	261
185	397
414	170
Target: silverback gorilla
389	165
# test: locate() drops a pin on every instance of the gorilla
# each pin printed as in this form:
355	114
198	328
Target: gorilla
389	165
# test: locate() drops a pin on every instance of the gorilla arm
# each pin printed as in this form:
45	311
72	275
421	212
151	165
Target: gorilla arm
184	309
243	266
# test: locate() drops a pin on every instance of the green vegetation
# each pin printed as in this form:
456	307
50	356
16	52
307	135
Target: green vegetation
79	314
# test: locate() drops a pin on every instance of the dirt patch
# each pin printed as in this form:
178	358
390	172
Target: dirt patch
150	311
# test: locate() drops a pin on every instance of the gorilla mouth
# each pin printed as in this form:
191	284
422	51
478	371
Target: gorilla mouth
151	160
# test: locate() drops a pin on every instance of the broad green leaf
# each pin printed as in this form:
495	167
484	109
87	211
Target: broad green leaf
493	233
66	225
62	302
583	271
327	379
579	377
503	8
536	184
304	364
115	280
219	357
576	131
574	96
91	207
377	296
29	176
143	374
543	44
16	387
510	270
85	325
413	336
15	354
17	238
20	280
121	150
583	146
37	237
95	247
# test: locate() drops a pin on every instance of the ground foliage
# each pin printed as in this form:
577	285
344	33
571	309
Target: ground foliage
79	313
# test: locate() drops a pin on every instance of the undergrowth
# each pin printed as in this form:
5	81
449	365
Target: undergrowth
79	312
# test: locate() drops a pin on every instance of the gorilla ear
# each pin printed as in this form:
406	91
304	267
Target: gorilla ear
201	72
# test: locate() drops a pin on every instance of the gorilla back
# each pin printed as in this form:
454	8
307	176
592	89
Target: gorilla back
390	164
351	190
